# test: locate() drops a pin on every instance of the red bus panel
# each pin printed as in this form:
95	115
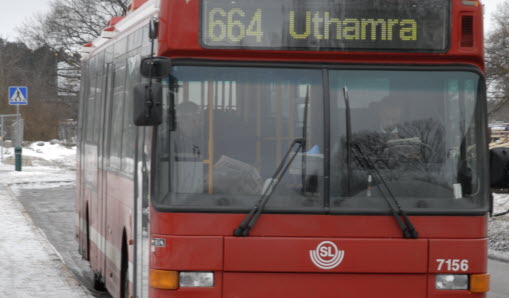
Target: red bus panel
293	255
257	285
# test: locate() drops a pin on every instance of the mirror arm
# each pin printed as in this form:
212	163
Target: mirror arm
148	92
153	35
148	100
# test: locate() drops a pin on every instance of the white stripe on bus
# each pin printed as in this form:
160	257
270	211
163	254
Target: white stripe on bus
112	252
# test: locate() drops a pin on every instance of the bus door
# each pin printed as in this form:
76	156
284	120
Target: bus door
89	162
142	204
80	189
142	212
103	162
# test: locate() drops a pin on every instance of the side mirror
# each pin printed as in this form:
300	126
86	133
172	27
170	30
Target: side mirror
147	107
499	167
155	67
153	29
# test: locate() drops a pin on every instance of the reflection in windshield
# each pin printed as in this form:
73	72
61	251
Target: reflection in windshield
419	131
233	127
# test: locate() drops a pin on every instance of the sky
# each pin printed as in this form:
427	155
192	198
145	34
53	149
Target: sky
14	13
490	6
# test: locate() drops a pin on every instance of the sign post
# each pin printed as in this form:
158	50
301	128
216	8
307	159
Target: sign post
18	96
2	138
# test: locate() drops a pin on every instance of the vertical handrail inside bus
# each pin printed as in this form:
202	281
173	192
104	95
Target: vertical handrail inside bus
210	160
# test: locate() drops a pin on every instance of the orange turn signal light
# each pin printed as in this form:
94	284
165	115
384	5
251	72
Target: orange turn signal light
479	283
161	279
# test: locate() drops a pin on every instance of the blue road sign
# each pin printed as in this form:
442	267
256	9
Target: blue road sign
18	95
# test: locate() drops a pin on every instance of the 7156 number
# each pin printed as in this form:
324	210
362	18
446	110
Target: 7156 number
452	264
233	25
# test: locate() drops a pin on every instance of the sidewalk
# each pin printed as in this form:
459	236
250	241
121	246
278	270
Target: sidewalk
29	266
498	229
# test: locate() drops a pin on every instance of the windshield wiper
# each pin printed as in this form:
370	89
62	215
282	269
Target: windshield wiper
247	224
303	172
346	97
405	225
397	212
249	221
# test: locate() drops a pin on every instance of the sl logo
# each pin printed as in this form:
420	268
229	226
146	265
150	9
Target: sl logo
326	255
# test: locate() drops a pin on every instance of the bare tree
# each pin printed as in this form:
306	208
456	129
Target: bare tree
497	60
66	28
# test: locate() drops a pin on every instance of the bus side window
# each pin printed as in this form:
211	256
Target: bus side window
116	120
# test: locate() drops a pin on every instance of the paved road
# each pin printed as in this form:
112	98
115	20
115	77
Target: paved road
52	210
499	279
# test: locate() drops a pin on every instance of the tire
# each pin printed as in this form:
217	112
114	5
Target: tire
125	285
86	255
124	280
98	282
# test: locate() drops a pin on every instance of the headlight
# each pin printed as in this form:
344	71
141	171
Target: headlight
196	279
451	282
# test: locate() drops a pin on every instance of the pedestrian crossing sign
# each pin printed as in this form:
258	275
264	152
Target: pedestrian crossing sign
18	95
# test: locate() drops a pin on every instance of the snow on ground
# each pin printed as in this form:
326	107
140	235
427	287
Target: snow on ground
36	177
44	165
498	228
47	154
29	265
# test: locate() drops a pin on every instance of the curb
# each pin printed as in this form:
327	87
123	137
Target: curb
491	256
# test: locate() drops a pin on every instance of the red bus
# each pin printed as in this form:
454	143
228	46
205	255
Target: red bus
279	148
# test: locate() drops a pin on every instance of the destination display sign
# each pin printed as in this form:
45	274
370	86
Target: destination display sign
326	25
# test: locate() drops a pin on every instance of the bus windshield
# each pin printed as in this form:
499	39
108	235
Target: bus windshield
418	132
